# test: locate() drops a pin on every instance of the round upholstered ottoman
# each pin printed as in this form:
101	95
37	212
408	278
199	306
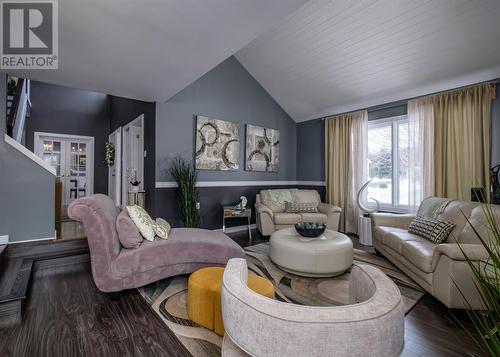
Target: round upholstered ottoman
204	296
328	255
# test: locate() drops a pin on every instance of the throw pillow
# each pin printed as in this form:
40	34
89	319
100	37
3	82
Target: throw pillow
128	234
301	207
275	199
162	228
431	229
143	221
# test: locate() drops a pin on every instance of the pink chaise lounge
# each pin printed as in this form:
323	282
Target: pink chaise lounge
115	268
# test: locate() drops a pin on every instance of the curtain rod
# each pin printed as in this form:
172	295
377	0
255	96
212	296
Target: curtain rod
404	101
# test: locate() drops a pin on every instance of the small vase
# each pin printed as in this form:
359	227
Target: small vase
134	188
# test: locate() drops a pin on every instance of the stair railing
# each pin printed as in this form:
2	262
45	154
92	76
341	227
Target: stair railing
17	116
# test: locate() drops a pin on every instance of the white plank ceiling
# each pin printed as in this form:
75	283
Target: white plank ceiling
331	57
152	49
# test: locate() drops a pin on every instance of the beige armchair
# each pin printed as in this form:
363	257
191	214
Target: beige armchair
254	325
441	269
271	217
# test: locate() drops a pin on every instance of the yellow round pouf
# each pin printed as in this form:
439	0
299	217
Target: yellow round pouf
204	296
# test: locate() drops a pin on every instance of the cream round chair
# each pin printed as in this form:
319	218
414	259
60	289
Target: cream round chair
372	325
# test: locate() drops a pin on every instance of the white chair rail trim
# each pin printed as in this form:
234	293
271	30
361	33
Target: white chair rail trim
172	184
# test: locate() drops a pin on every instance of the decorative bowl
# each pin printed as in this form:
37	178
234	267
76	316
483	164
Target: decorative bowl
310	229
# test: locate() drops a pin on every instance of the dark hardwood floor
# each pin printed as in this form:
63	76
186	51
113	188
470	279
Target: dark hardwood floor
67	316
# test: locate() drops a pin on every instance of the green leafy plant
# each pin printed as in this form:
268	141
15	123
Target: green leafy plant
184	173
486	322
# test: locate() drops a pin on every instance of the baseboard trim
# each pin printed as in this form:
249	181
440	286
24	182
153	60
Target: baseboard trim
173	184
31	240
237	228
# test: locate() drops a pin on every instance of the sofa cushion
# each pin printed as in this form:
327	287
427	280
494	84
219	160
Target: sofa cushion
396	238
128	233
431	229
184	246
314	217
379	232
287	218
162	228
420	253
456	212
301	207
143	221
307	196
478	222
275	199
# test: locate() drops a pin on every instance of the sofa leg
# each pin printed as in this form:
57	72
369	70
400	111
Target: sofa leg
114	296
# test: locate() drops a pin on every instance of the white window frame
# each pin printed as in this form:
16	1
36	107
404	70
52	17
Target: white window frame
394	121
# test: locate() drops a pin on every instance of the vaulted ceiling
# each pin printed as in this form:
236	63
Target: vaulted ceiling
152	49
336	56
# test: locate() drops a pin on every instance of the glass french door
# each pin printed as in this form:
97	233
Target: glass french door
72	158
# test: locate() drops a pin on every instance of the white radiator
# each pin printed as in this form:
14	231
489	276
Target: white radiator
365	230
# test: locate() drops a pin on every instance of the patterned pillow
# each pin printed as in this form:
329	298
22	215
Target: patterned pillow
275	199
162	228
143	221
431	229
301	207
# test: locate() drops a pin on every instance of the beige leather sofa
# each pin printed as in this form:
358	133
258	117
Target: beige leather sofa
371	325
438	268
271	217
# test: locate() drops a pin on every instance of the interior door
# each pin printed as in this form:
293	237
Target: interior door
77	170
114	172
72	157
132	155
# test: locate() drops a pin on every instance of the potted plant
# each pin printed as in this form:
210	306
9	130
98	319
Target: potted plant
486	322
185	175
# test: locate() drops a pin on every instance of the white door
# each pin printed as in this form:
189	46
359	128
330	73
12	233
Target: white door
72	156
132	155
114	172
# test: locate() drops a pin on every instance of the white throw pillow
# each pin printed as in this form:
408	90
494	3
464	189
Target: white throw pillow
162	228
143	221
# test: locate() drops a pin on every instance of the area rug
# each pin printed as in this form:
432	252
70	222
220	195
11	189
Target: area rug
168	297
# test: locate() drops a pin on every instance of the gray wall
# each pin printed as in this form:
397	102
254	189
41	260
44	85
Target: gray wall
227	92
26	190
64	110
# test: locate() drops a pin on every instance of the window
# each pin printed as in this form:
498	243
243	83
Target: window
388	162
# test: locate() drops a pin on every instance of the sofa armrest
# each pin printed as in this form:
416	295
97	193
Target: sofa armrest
260	208
475	252
392	220
328	209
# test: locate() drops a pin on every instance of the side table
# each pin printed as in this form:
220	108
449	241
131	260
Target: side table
136	198
236	212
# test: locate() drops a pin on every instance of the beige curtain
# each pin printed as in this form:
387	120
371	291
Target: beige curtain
420	150
462	135
345	154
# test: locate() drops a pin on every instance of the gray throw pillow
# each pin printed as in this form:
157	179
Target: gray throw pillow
431	229
301	207
128	233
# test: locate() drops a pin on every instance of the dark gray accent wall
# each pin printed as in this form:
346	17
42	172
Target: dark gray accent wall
495	132
26	190
64	110
311	150
227	92
123	111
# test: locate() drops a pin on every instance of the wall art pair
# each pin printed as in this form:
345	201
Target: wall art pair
218	146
